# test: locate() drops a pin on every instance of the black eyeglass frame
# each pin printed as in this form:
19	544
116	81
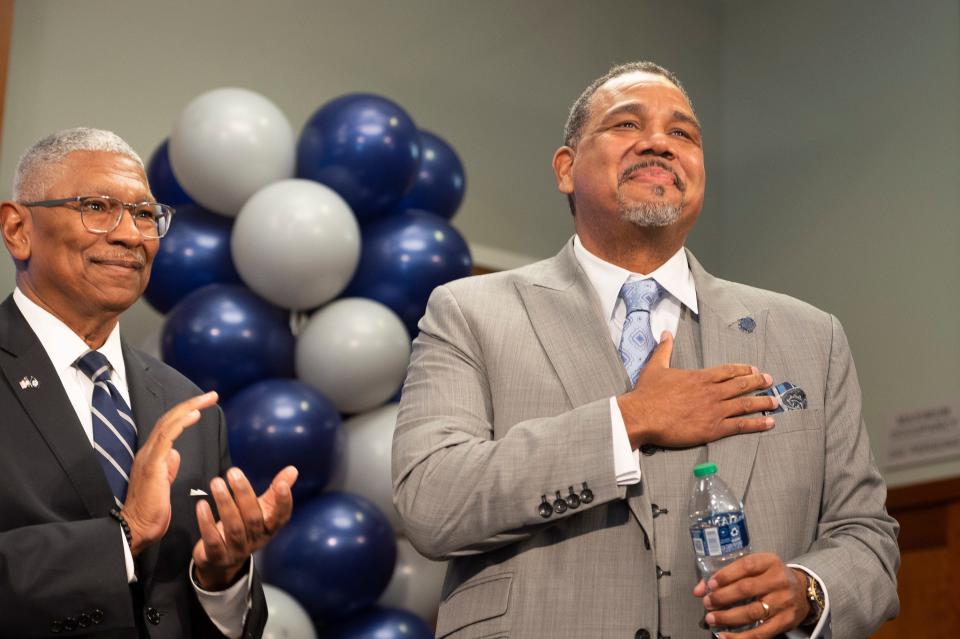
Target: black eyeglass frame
124	206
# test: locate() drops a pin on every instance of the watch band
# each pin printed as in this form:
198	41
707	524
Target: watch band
816	600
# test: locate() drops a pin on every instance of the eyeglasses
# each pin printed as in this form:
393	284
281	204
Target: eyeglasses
102	213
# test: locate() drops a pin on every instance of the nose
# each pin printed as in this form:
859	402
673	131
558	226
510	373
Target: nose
126	232
657	144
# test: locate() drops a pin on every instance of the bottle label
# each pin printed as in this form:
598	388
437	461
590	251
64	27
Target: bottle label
720	534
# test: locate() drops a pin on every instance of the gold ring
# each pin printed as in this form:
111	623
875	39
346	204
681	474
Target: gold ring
766	610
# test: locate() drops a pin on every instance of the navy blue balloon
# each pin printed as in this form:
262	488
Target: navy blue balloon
405	256
162	182
335	556
223	338
440	183
363	146
279	422
194	253
381	623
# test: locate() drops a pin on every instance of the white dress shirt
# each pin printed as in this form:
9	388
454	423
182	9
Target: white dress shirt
227	608
680	290
607	280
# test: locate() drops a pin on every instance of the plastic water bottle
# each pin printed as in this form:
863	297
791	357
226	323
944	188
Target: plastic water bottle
718	526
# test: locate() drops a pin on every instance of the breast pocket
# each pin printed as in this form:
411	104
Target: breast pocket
791	421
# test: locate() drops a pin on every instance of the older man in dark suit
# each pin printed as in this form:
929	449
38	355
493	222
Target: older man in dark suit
107	453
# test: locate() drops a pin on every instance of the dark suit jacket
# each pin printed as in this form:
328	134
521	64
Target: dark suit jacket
61	554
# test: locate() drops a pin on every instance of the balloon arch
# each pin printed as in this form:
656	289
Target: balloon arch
292	280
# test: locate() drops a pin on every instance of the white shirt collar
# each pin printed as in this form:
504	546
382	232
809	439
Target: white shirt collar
607	279
63	346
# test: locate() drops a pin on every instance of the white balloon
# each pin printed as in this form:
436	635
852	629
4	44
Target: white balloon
296	243
417	583
355	351
364	465
229	143
286	618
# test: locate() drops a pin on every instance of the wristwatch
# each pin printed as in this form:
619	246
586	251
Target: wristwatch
816	600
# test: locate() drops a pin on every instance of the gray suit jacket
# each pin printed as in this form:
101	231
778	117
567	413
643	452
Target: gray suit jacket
507	400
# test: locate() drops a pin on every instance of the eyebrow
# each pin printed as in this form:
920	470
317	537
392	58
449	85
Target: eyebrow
640	110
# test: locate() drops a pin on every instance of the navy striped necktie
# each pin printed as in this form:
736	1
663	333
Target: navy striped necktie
114	433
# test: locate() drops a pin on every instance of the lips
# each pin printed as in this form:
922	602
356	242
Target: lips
130	262
652	172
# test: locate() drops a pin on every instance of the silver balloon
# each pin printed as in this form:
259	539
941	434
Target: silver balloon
416	584
364	466
286	619
229	143
355	351
296	243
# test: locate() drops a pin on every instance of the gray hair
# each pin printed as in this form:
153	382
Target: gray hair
580	110
35	170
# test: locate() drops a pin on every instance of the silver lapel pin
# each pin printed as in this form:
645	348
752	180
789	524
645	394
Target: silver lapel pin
29	381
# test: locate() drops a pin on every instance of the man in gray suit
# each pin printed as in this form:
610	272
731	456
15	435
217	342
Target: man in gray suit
547	452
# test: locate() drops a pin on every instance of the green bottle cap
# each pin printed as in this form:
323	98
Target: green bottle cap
702	470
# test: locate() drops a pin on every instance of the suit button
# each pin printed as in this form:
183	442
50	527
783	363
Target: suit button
573	500
657	510
153	616
544	508
69	624
586	495
97	616
662	573
56	626
84	620
559	505
643	633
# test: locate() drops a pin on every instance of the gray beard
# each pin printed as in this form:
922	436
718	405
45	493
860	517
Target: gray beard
650	214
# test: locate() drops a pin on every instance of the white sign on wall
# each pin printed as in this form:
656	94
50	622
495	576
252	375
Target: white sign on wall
924	435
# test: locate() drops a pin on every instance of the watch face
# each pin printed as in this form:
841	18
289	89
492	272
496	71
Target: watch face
794	399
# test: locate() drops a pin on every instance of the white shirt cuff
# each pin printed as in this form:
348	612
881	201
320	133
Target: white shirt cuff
822	630
128	559
626	462
228	608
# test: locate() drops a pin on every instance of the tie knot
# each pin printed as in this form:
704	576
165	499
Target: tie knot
95	365
641	295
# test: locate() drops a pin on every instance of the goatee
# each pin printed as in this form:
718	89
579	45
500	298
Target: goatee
650	214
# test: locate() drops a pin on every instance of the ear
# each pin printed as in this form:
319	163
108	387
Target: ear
15	224
563	169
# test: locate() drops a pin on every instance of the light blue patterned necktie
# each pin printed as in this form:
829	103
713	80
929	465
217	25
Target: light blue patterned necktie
636	342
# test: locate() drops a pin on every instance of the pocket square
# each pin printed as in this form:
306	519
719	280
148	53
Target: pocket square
788	396
196	492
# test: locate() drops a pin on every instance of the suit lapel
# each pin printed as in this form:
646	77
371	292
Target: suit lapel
726	341
50	409
564	311
147	404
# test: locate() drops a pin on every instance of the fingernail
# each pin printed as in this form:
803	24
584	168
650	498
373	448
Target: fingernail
219	485
768	422
712	584
754	370
710	619
767	378
235	474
